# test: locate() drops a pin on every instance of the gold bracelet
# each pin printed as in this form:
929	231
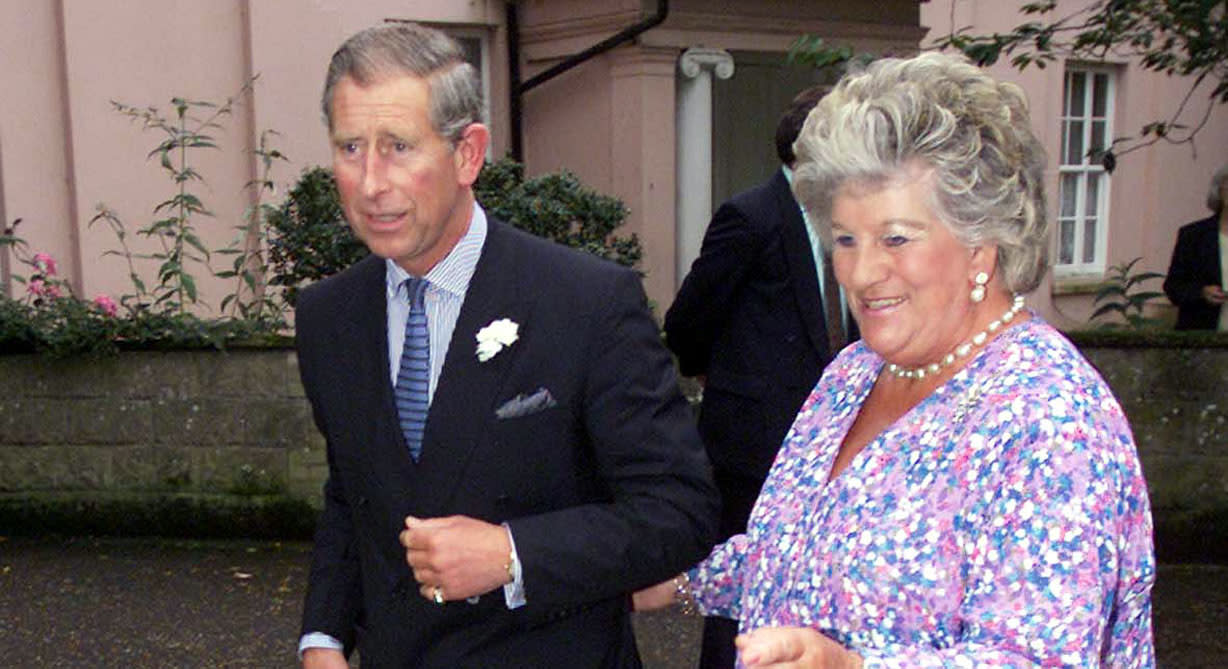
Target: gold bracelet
682	594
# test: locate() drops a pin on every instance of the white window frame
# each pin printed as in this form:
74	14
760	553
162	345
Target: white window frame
470	34
480	35
1081	173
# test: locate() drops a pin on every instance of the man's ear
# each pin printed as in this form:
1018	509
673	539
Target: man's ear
470	153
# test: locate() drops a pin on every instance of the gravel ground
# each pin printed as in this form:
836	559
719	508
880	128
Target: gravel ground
108	602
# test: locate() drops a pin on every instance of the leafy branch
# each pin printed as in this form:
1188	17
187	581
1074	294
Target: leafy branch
186	128
250	265
1187	38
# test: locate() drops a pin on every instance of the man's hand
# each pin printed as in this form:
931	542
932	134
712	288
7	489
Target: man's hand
1214	294
794	648
461	556
324	658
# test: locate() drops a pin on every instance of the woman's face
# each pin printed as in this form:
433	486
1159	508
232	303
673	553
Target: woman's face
907	278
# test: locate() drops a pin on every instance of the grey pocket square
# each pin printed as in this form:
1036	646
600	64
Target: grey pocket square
524	405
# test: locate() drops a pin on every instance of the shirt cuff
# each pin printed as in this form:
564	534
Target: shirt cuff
318	640
513	593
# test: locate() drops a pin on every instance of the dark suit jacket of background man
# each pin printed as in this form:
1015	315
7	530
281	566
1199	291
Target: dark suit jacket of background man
749	316
605	493
1195	264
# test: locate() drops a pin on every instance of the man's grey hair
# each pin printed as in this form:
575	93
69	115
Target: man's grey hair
1215	196
942	114
409	49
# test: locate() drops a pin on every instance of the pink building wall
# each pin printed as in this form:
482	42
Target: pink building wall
64	150
35	162
1153	190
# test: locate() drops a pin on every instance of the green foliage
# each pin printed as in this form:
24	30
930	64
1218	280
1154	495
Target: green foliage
1173	37
307	235
250	300
184	129
1122	293
811	50
48	318
558	207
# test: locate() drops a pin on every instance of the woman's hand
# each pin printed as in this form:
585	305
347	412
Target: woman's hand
794	647
656	596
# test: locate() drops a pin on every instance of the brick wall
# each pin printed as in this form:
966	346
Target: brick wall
153	424
1177	401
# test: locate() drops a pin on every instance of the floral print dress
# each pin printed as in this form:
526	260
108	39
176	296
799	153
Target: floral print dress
1002	521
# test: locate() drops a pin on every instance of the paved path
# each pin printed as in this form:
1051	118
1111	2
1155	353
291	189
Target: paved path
84	602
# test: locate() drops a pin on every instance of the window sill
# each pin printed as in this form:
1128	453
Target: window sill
1076	285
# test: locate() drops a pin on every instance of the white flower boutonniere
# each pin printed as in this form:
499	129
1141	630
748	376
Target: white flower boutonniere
494	337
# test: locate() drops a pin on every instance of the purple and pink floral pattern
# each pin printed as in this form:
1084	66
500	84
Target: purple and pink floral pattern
1003	521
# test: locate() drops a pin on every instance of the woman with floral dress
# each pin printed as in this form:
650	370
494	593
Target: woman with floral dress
961	488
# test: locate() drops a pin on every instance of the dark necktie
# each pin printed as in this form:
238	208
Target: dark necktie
831	309
414	376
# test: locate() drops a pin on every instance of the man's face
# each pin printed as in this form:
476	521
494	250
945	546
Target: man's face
405	189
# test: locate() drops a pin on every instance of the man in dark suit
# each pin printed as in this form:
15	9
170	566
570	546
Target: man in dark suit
1195	280
750	319
509	455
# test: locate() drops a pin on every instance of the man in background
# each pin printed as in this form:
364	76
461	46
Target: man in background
751	321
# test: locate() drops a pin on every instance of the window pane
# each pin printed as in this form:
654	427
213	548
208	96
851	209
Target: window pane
1091	206
472	47
1077	85
1099	139
1074	146
1089	240
1066	243
1100	95
1068	189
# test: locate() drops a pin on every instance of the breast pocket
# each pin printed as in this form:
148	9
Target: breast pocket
539	461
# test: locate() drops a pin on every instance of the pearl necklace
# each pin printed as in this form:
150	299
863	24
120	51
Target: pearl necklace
960	351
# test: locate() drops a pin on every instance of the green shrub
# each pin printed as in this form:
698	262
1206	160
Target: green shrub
308	236
558	207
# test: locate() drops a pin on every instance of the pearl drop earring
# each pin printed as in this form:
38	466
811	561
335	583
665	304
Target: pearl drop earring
978	291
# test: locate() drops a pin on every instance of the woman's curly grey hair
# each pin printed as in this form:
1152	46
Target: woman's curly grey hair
946	115
408	49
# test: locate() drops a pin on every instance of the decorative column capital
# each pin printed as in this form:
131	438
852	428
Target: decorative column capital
695	60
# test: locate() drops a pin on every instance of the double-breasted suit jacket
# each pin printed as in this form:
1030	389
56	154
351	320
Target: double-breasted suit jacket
605	487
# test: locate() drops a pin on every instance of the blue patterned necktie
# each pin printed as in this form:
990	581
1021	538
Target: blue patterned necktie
414	377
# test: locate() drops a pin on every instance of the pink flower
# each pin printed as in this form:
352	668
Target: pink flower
106	305
41	288
45	263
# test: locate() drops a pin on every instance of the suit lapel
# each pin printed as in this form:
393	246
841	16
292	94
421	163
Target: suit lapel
1210	247
801	264
371	376
464	402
